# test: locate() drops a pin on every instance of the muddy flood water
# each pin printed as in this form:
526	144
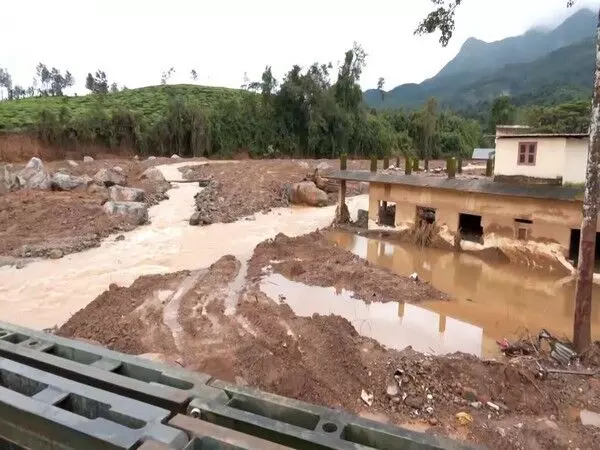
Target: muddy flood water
490	301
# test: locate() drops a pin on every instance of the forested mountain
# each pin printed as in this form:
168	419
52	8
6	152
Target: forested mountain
539	66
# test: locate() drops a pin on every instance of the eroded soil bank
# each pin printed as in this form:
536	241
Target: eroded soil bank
47	223
323	359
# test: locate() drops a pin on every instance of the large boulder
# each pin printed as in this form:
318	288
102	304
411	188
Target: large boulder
137	211
66	182
125	194
153	174
307	193
34	176
9	181
325	184
87	159
323	166
109	177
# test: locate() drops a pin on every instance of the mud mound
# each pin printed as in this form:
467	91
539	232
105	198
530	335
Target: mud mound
122	318
313	259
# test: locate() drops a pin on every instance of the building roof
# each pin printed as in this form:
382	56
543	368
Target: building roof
475	185
542	135
483	153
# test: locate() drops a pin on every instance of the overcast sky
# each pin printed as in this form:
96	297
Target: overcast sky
133	41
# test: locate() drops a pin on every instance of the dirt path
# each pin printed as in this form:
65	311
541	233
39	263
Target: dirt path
46	293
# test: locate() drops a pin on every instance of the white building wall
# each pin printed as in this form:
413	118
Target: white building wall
550	157
575	160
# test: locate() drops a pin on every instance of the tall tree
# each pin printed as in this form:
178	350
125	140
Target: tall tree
380	85
165	76
44	78
502	113
442	19
194	74
6	83
114	88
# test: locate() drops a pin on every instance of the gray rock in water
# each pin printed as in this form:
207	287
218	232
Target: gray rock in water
87	159
307	193
55	253
72	163
9	181
175	156
151	158
199	218
33	176
109	177
66	182
135	210
125	194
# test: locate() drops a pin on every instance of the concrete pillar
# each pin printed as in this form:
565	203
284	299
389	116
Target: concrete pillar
342	214
442	324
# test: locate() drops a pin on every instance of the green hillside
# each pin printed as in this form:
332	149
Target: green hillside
150	103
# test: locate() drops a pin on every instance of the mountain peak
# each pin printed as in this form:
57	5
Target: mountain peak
476	55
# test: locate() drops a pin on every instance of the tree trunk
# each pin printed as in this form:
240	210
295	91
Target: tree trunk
587	244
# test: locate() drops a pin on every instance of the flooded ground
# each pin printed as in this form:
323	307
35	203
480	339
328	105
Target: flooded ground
491	300
47	292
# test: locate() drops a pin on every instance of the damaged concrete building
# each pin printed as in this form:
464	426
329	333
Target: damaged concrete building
540	202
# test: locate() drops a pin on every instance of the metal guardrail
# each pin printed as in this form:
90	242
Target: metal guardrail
65	394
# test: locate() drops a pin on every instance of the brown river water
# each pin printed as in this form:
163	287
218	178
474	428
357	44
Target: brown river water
490	301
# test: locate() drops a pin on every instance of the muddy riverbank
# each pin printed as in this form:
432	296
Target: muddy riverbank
327	359
249	187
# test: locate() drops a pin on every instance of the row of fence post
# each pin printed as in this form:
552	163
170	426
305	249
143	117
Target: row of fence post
453	165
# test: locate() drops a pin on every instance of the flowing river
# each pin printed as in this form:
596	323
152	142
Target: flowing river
47	292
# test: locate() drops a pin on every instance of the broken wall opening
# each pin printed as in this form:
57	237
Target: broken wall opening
387	214
574	248
469	228
424	225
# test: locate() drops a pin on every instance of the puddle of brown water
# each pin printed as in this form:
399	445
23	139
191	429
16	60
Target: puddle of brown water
395	325
501	300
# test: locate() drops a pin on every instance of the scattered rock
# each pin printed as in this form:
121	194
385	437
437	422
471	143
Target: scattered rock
175	156
9	181
72	163
87	159
151	158
125	194
55	253
589	418
414	402
433	421
549	424
501	431
199	218
493	406
307	193
109	177
33	176
415	277
367	398
303	164
392	390
135	210
469	394
322	166
153	174
476	405
118	169
66	182
120	238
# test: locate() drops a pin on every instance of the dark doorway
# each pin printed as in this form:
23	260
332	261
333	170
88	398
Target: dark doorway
574	248
387	214
469	227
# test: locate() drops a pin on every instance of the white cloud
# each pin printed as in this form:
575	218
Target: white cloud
133	41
